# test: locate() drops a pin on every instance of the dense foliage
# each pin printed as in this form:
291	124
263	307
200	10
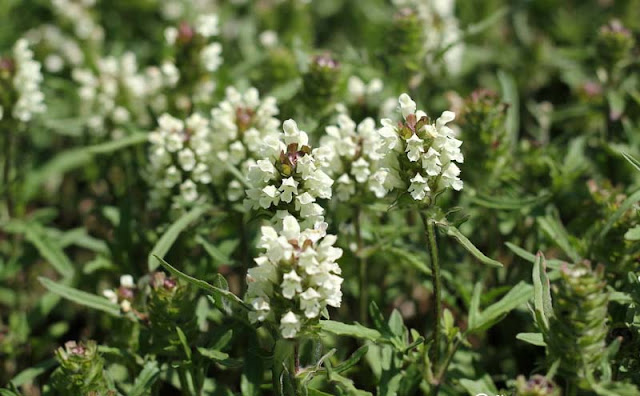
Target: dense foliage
330	197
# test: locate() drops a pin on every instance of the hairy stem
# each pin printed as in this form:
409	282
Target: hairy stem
437	289
6	171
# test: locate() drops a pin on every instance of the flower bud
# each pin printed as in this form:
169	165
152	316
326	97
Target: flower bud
613	44
321	81
81	370
537	385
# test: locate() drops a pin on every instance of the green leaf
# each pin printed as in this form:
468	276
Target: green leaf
466	243
518	295
353	359
541	293
532	338
168	238
352	330
474	306
50	251
530	257
213	354
556	233
632	160
510	96
506	203
480	386
217	253
217	292
31	373
408	257
81	297
253	369
147	377
184	342
633	234
75	158
626	205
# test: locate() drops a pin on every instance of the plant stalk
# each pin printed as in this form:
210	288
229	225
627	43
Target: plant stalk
437	288
6	171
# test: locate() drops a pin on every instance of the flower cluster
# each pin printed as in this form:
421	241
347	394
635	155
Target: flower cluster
179	155
59	50
424	154
441	31
287	179
239	124
114	95
296	277
24	74
78	13
349	154
124	295
188	42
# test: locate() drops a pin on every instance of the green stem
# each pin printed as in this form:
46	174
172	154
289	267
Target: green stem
184	382
6	171
364	295
437	288
285	365
442	372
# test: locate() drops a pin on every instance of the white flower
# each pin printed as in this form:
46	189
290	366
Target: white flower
127	281
432	150
189	191
415	147
207	25
210	57
418	187
293	261
261	310
110	295
26	82
291	285
288	188
310	303
289	325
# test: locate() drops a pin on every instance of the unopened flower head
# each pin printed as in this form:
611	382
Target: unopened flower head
240	124
179	156
422	154
124	295
296	277
287	179
349	154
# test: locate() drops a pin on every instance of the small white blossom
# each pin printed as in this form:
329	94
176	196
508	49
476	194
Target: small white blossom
296	277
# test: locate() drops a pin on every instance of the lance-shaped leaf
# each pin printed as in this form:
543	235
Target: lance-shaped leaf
168	238
352	330
147	377
557	233
217	292
81	297
541	293
470	247
624	207
518	295
536	339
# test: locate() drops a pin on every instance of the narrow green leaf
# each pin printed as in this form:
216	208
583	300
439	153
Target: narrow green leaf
147	377
626	205
510	96
532	338
351	330
557	233
31	373
184	342
219	293
541	293
50	251
73	159
632	160
530	257
353	359
474	307
81	297
466	243
168	238
409	257
506	203
518	295
213	354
